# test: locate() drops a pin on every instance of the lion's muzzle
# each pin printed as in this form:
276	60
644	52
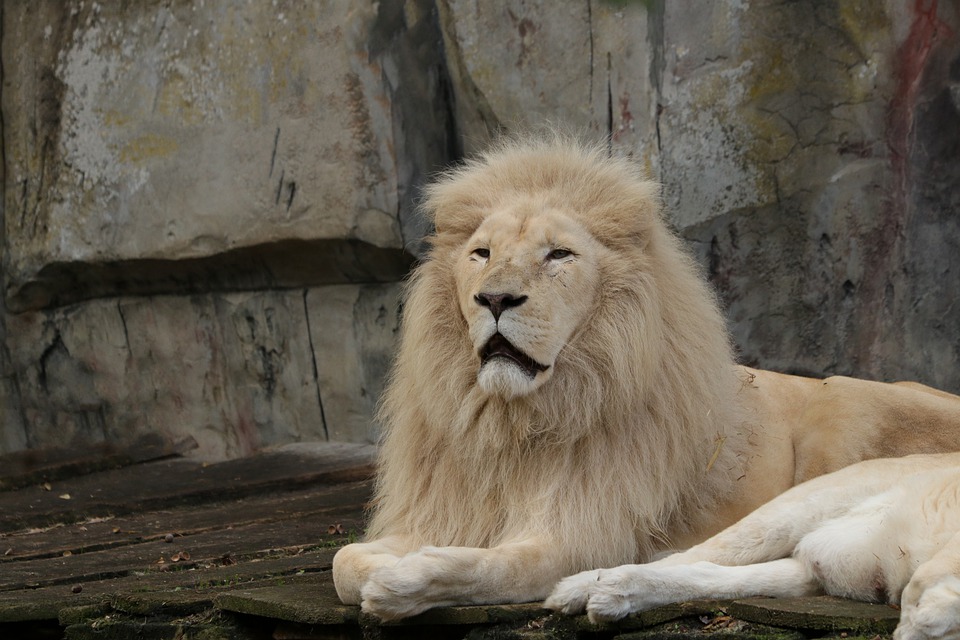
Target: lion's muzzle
499	347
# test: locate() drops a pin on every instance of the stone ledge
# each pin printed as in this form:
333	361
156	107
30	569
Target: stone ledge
304	606
277	265
823	613
125	175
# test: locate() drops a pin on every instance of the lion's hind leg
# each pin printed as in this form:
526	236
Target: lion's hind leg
891	546
862	554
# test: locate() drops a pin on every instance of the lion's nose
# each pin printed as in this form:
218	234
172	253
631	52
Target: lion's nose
499	302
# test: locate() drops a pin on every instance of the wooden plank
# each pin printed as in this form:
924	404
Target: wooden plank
106	533
259	513
35	466
169	483
239	543
256	531
181	589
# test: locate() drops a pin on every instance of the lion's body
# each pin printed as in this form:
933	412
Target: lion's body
565	396
881	530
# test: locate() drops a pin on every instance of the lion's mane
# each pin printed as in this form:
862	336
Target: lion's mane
627	441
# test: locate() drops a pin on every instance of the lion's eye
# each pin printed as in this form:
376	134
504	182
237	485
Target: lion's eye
559	254
481	252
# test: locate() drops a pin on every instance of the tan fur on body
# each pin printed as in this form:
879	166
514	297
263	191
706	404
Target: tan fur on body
883	530
636	433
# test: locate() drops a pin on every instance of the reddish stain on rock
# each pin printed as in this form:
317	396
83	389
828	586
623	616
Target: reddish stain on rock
911	59
525	28
885	245
626	117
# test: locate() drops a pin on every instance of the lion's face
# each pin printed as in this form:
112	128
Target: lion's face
526	280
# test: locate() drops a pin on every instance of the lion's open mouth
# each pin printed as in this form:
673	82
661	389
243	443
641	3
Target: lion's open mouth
499	347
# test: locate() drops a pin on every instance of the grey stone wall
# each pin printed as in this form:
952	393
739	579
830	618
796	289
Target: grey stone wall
209	206
810	152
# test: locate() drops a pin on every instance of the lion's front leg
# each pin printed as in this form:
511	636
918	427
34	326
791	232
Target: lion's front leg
610	594
748	558
353	564
444	576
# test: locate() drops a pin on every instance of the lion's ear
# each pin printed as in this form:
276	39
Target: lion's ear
457	219
624	212
453	205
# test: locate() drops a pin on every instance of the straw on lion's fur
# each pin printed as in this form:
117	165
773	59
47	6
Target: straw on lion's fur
621	444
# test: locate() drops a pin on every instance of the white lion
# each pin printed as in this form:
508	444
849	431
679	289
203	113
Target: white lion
565	398
880	530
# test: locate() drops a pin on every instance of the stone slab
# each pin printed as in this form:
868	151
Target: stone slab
291	602
604	51
695	630
236	372
353	334
823	613
153	137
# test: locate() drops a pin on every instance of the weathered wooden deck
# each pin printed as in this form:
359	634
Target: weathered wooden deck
146	544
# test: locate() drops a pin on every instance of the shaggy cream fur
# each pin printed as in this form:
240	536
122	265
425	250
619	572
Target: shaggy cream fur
565	397
881	530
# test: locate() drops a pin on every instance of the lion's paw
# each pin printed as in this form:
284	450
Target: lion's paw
611	599
390	594
936	616
409	587
571	594
605	595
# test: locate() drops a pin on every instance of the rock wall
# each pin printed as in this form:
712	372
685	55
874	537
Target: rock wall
809	151
208	206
